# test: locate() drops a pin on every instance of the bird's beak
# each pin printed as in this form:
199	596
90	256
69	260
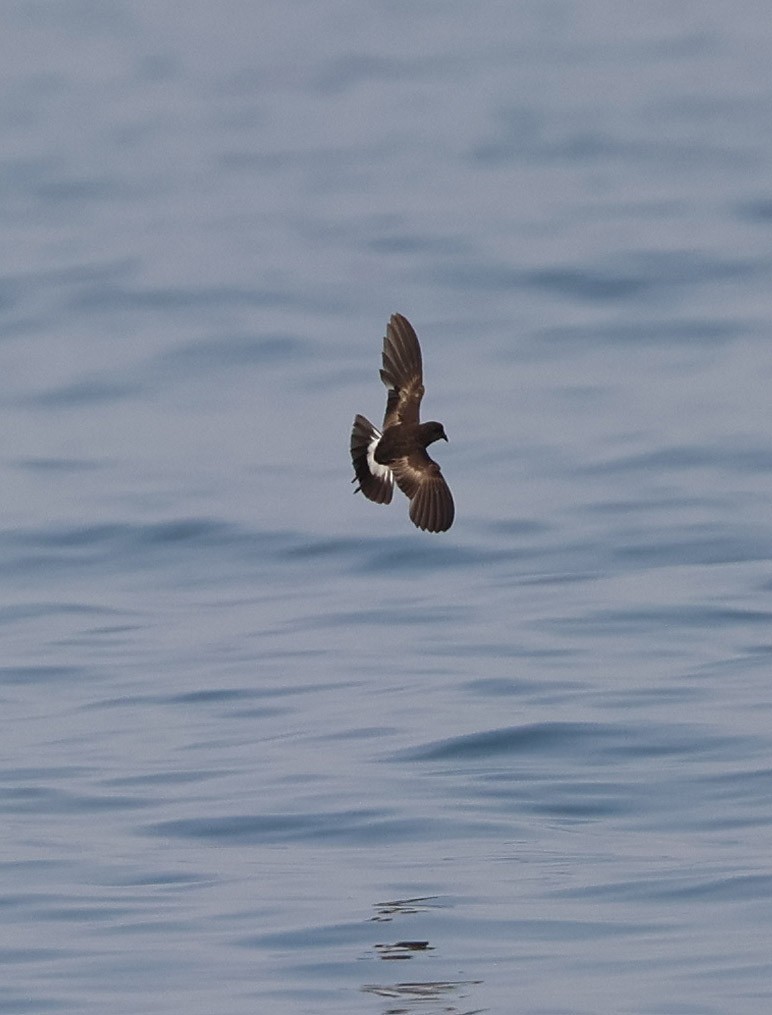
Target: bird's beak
445	438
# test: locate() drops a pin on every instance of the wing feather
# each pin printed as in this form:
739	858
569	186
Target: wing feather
402	372
431	502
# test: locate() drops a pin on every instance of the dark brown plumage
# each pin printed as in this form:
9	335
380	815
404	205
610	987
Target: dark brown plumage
398	454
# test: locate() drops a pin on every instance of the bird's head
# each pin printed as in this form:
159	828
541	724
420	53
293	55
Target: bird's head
433	431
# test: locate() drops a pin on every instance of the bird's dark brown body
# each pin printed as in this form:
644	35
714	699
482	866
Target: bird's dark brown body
398	454
400	441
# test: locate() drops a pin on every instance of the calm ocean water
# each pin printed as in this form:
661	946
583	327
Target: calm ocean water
264	746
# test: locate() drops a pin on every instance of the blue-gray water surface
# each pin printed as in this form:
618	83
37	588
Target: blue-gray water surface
265	747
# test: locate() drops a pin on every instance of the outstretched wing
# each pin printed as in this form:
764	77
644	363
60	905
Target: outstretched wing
431	502
402	372
376	481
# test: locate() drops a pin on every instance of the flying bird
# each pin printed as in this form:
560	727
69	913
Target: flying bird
398	453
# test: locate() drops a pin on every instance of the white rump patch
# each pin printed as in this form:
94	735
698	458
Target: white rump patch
376	469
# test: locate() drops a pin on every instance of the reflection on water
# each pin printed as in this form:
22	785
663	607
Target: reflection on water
414	996
401	949
386	911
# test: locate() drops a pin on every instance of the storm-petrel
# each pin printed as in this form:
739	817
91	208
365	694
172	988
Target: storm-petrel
399	453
